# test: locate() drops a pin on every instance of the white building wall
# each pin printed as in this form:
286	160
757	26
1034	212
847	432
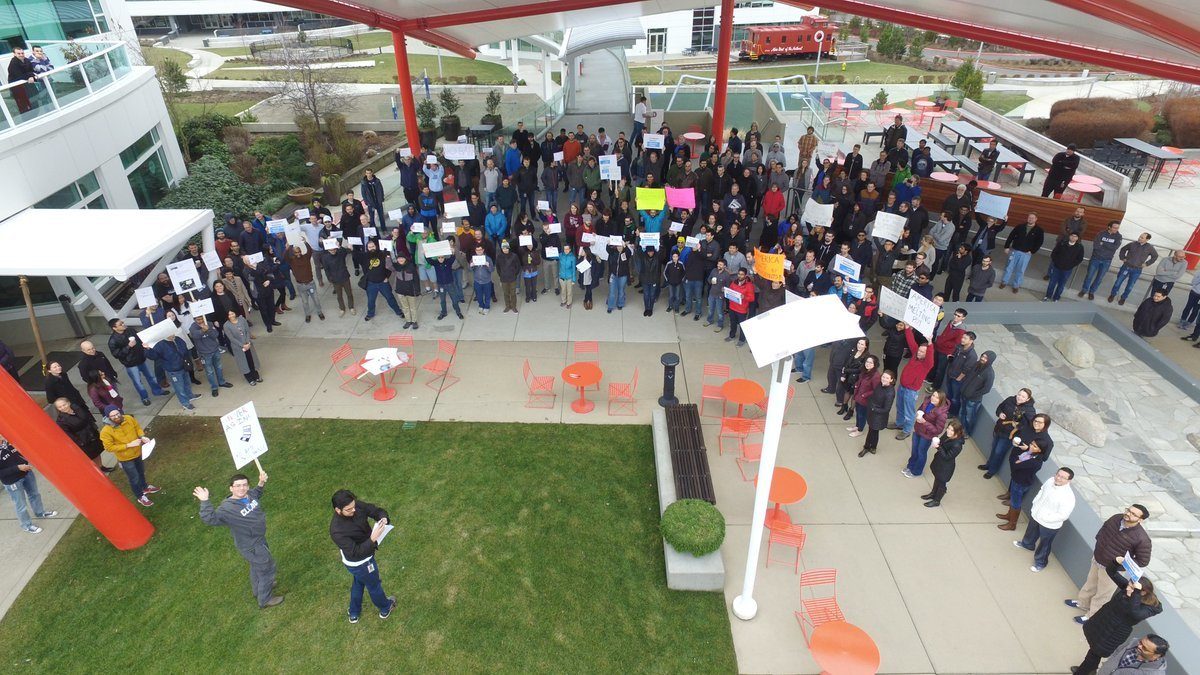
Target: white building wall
679	24
199	7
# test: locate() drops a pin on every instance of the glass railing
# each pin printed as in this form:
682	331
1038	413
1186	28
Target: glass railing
64	85
540	119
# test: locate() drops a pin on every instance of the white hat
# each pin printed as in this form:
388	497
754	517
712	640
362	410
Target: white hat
327	219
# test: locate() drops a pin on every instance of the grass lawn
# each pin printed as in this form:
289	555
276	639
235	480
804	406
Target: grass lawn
222	102
866	72
155	55
1003	101
519	548
384	71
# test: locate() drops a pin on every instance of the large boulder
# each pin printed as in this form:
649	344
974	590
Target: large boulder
1076	351
1084	423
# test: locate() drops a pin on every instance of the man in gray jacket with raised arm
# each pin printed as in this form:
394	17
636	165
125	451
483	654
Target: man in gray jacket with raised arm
243	514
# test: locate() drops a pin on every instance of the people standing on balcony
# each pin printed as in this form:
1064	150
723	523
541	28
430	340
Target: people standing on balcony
20	69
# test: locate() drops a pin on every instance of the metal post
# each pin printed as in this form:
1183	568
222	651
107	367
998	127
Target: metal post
817	70
669	361
722	83
406	93
37	332
744	605
439	54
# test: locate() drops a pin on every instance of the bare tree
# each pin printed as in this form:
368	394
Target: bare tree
310	92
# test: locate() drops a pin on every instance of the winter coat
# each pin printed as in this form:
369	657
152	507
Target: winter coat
1152	316
405	278
508	266
116	436
934	420
840	352
1024	471
60	386
1066	256
239	336
978	379
1112	666
1112	541
82	429
866	385
1112	624
942	464
1136	255
879	406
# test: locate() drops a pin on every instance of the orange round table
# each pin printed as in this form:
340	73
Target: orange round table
1084	178
787	487
841	648
944	177
1083	188
582	375
988	185
743	393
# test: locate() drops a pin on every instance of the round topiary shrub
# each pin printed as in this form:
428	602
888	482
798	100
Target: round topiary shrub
693	526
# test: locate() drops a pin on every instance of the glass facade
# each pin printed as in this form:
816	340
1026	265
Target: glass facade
147	169
704	28
82	194
25	21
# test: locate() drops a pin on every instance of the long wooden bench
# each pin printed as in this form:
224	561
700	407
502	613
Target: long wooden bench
689	457
968	164
941	139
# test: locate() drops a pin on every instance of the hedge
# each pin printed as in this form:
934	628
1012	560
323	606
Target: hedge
1183	116
693	526
1084	128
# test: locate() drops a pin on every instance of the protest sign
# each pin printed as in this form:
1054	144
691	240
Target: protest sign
275	226
681	198
648	240
653	141
244	435
651	199
892	303
543	205
769	265
254	258
211	260
355	241
436	249
330	244
456	209
419	228
555	228
525	240
293	235
301	214
478	260
583	266
457	151
160	331
888	226
846	267
818	214
406	152
856	290
993	205
145	297
921	314
198	307
732	295
551	251
558	156
184	277
448	227
397	214
609	169
676	227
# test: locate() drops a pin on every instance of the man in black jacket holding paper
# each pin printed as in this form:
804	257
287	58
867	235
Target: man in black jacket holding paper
358	541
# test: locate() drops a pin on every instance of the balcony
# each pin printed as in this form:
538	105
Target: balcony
68	84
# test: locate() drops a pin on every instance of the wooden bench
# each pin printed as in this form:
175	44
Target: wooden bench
941	140
689	457
968	164
868	135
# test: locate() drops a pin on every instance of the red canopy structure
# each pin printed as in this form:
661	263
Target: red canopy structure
1159	38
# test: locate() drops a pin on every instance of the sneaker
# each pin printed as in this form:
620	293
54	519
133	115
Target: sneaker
153	489
440	317
1091	296
145	501
902	435
485	312
353	312
189	407
32	529
368	317
1081	293
216	393
226	385
342	313
1035	569
855	434
741	343
308	319
272	601
906	473
729	339
48	514
321	316
707	324
353	619
1018	544
851	428
385	613
145	401
1072	603
1081	620
196	396
802	380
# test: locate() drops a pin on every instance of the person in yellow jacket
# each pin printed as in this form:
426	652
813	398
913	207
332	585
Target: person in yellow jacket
123	437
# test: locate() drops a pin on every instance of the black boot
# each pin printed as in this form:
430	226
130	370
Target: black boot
849	413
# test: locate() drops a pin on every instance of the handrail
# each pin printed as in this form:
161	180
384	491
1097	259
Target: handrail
113	71
59	69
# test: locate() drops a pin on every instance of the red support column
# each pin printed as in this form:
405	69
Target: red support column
723	44
61	462
408	105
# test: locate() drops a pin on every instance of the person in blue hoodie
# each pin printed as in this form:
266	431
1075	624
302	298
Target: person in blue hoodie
512	159
495	225
171	353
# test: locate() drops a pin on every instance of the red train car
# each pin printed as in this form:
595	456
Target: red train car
767	43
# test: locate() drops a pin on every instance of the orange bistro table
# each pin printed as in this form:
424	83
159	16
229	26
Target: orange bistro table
581	375
933	116
1083	188
743	393
1084	178
787	487
944	177
841	648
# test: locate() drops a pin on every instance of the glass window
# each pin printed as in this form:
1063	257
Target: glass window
39	291
130	155
150	180
79	194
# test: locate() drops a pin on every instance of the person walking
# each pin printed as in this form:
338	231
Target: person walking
243	514
1121	533
123	436
241	346
1135	256
78	424
929	422
1011	413
1051	507
1031	446
16	474
357	542
1132	603
879	408
947	447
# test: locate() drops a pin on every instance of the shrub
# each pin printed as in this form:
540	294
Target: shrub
1083	128
427	113
204	129
449	102
471	79
211	184
280	162
1038	124
912	79
693	526
879	100
1182	116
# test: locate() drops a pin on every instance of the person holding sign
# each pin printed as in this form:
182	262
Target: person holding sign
243	514
739	294
124	437
481	275
357	542
126	348
1133	602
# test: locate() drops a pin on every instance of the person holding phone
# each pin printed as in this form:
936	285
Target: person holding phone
357	541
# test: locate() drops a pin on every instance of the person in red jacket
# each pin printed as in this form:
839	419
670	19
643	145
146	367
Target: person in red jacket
910	382
740	309
943	347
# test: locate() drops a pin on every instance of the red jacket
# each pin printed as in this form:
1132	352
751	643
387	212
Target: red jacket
773	203
866	386
747	290
915	370
948	340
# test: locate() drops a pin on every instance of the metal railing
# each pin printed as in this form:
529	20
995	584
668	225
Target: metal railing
23	102
540	119
813	110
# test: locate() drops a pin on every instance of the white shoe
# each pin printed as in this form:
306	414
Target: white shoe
32	529
353	312
855	434
906	473
1035	569
851	428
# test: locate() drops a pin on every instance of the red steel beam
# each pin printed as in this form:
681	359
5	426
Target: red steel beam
1022	41
514	12
407	102
375	19
724	42
1145	21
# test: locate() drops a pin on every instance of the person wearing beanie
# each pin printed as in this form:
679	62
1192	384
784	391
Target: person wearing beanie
124	437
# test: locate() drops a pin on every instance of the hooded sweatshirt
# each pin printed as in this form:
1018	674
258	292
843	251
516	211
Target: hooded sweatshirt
978	379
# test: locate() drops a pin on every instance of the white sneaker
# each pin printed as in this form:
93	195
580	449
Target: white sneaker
32	529
49	514
855	434
1035	569
906	473
851	428
353	312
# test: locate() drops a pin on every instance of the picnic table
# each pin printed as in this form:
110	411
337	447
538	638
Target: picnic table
1006	157
1158	154
937	153
965	130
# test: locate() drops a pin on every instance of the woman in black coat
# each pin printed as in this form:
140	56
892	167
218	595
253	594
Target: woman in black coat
1009	414
58	385
879	408
960	263
1109	628
851	368
77	422
1031	446
948	445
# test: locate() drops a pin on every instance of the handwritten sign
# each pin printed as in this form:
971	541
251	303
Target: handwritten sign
769	265
163	330
293	235
211	260
436	249
676	227
892	303
244	435
145	297
993	205
555	228
558	156
459	151
681	198
692	241
330	244
370	232
397	214
651	199
478	260
448	227
818	214
583	266
199	307
543	205
456	209
525	240
921	314
419	228
406	152
888	226
551	251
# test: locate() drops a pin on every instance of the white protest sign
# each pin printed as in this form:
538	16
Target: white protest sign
478	260
276	226
330	244
846	267
732	295
525	240
555	228
799	324
921	314
543	205
159	331
293	235
993	205
1135	570
301	214
691	241
397	214
355	241
787	264
244	435
199	307
551	251
856	290
653	141
609	169
588	237
456	209
601	241
583	266
436	249
211	260
455	151
406	152
388	245
148	449
254	258
827	150
888	226
600	252
676	227
184	276
648	239
892	303
430	159
448	227
818	214
419	228
558	156
336	234
145	297
370	232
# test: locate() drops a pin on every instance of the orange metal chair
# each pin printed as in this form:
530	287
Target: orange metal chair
820	605
404	342
715	375
621	394
350	370
751	453
738	429
541	388
762	405
440	367
787	534
587	350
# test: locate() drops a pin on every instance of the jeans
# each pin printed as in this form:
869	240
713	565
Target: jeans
1043	537
735	322
716	312
309	298
906	406
860	416
366	576
1124	274
1190	309
650	296
456	297
376	288
1000	447
1014	271
953	393
802	362
637	132
675	297
135	471
616	291
576	195
181	384
920	450
483	294
968	415
1058	282
1095	272
1016	494
144	369
692	291
213	370
25	496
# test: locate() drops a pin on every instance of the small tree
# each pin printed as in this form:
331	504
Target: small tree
916	48
855	23
449	102
879	100
310	92
973	87
930	36
427	113
963	73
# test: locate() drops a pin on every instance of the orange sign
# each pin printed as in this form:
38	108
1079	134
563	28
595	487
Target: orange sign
769	265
